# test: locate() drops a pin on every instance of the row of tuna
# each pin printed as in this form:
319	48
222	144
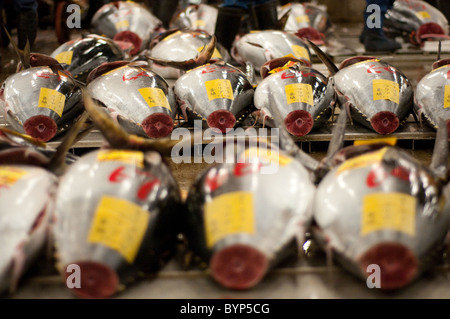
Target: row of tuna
117	212
378	95
116	215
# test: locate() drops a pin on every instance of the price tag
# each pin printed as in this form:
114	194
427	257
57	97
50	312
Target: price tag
9	175
64	57
394	211
423	15
52	99
229	214
299	93
362	160
447	96
129	157
219	89
122	24
386	90
300	52
120	225
155	97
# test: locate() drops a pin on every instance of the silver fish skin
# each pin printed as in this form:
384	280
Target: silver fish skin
295	89
41	92
431	99
80	56
24	224
305	15
206	91
381	207
196	16
116	218
258	47
137	98
380	96
413	19
242	218
126	21
179	46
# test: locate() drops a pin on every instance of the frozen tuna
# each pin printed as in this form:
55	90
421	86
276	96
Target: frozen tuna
383	215
185	49
196	16
307	20
126	21
416	21
80	56
258	47
304	97
219	94
41	100
140	100
432	95
376	94
242	220
116	217
28	170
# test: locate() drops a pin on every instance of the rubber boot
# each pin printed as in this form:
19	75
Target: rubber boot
265	15
228	23
27	28
374	39
166	10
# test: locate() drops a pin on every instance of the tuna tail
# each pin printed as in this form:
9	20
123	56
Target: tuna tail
118	138
57	162
335	145
325	58
287	144
202	58
24	55
439	160
25	137
281	23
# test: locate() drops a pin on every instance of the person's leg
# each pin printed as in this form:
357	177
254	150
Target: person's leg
229	20
166	10
265	14
27	22
373	36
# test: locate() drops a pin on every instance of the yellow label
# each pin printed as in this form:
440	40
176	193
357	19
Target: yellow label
64	57
386	90
365	61
300	52
155	97
130	157
216	54
172	35
199	23
219	89
120	225
114	70
267	156
229	214
423	15
299	93
122	24
447	96
394	211
362	160
302	19
52	99
388	140
9	175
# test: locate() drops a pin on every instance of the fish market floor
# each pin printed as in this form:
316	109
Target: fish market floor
306	277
